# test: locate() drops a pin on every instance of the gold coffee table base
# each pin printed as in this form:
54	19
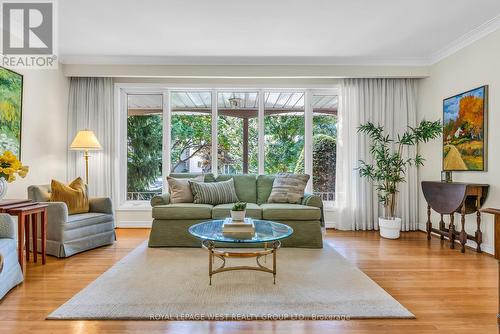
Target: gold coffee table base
257	254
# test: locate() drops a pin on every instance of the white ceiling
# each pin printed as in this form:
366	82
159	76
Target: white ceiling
269	32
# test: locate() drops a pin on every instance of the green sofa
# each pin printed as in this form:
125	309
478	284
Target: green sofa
171	221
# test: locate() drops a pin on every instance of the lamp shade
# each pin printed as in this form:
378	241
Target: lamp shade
85	140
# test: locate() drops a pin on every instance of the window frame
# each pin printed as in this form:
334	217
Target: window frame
124	89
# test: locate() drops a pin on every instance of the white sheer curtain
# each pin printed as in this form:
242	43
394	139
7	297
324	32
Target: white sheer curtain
91	107
388	102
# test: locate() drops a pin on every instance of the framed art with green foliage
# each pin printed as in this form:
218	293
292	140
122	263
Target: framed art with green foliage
11	99
464	131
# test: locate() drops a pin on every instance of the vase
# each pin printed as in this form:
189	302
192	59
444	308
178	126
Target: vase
3	188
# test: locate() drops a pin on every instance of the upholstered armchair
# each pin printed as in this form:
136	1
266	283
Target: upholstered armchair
71	234
11	274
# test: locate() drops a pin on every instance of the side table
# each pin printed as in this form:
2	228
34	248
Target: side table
27	212
496	213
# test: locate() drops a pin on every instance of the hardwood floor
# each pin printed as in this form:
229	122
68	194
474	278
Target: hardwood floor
427	278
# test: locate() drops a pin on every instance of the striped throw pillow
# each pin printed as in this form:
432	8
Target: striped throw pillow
214	192
288	188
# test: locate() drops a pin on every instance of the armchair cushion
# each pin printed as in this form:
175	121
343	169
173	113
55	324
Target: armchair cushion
6	227
74	195
40	193
86	219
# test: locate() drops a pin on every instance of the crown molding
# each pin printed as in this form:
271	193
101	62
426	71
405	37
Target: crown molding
240	61
467	39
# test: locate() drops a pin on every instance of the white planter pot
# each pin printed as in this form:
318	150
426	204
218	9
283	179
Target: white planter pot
389	228
238	216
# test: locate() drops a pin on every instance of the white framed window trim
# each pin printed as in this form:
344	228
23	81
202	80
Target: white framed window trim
123	90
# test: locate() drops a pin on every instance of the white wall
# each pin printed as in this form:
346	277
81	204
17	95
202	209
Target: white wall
474	66
44	129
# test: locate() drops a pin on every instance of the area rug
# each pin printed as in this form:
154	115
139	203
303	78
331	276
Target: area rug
172	284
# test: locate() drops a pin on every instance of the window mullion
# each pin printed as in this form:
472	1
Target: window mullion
167	137
261	133
308	138
214	133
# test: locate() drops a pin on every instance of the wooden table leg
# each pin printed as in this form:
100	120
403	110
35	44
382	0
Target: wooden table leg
43	233
479	234
451	231
27	236
429	224
442	226
34	236
20	240
463	234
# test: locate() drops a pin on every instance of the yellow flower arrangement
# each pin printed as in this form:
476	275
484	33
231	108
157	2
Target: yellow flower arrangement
10	166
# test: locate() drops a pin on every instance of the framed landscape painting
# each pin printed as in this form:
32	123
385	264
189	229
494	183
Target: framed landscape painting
11	99
464	131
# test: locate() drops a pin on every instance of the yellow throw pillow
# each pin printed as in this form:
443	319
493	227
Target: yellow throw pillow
74	195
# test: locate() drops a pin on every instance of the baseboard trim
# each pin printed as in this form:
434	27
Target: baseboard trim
134	224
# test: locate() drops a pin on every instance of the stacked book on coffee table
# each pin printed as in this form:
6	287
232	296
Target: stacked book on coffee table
239	229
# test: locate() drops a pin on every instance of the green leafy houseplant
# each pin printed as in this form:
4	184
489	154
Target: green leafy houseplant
389	166
238	212
239	206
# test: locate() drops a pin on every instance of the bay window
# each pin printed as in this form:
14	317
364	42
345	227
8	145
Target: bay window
227	131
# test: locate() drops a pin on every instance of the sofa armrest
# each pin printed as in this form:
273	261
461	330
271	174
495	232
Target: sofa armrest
315	200
312	200
7	229
101	204
162	199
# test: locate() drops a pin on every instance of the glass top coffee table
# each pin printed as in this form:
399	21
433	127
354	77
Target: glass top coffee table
210	233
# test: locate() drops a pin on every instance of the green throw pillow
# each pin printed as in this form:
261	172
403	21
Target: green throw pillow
214	192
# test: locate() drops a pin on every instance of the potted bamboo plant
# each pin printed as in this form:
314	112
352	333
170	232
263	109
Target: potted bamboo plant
389	166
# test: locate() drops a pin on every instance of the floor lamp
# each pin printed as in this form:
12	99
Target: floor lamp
85	140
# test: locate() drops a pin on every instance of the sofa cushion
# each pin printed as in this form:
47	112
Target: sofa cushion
245	185
183	211
288	188
214	192
180	190
264	188
86	219
224	210
286	211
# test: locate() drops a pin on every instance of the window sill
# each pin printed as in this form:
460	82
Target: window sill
135	206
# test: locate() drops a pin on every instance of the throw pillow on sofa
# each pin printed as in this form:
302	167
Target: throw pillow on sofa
214	192
288	188
180	190
74	195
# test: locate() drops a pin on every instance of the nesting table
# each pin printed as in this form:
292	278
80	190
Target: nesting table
27	213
